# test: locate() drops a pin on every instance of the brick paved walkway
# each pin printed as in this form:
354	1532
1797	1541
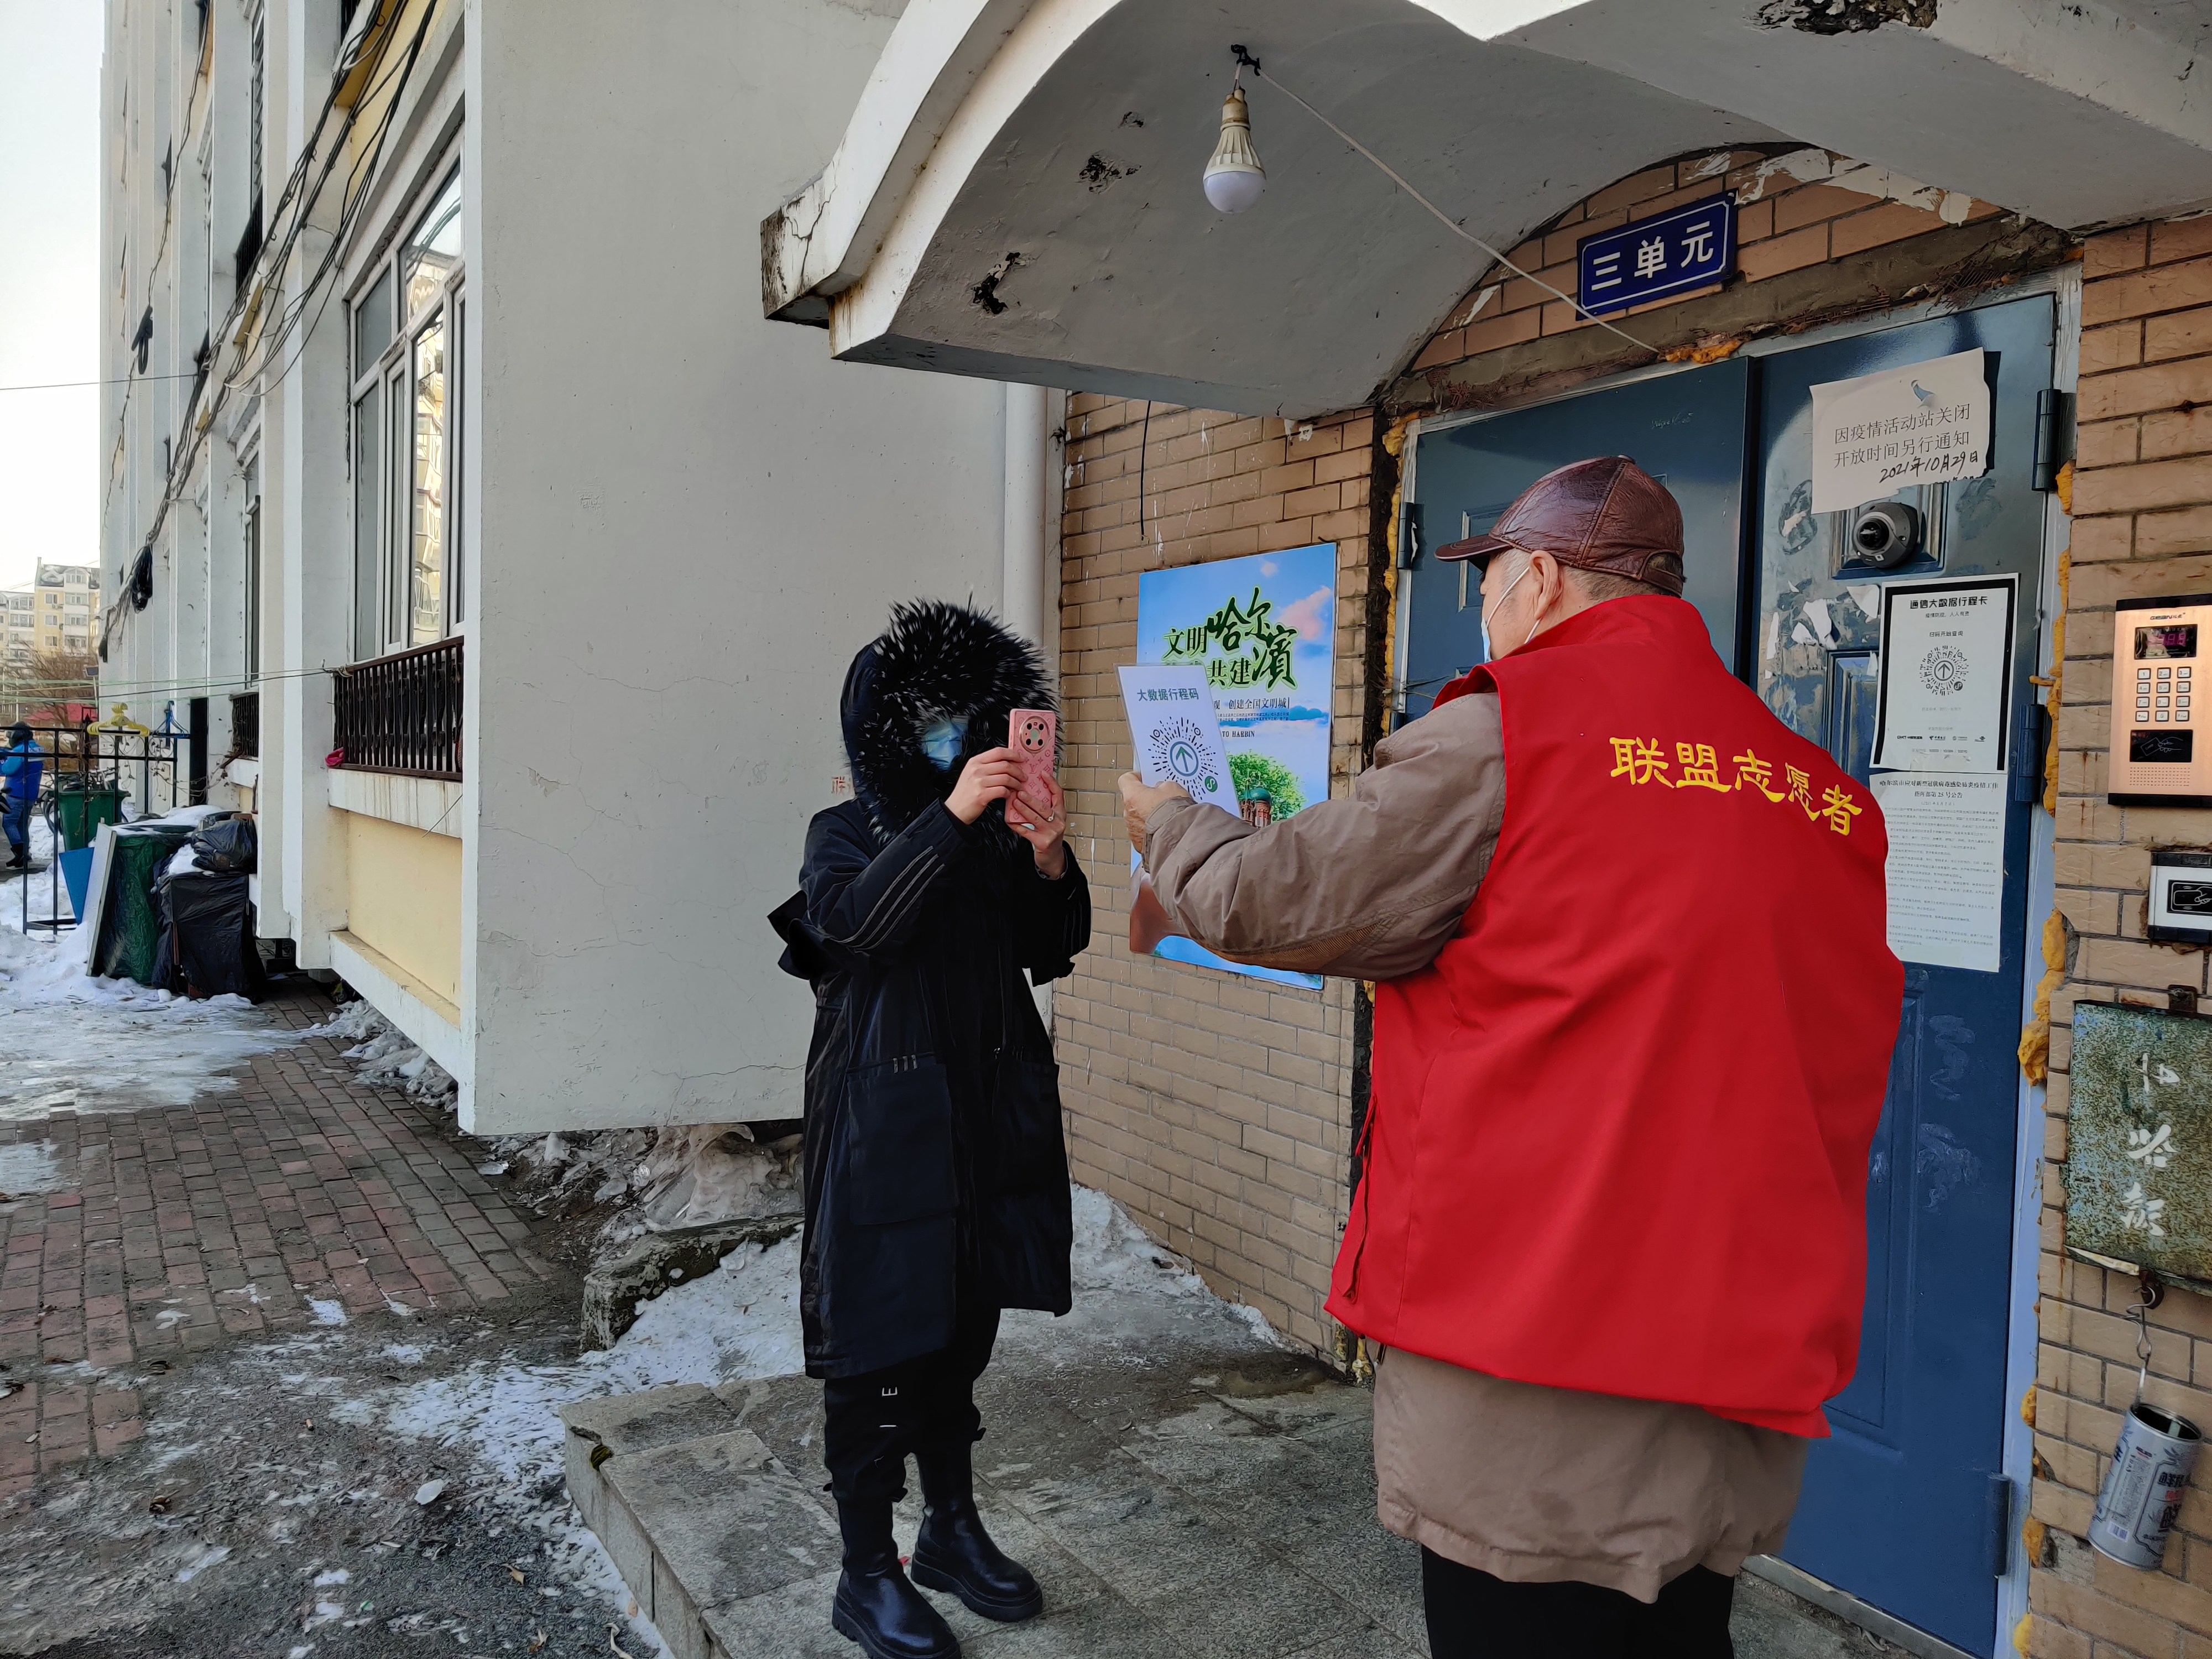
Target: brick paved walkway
181	1227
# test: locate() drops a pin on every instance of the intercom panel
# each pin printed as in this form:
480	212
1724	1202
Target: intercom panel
2179	909
2160	647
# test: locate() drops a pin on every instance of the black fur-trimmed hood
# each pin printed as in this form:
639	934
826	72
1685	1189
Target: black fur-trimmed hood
935	659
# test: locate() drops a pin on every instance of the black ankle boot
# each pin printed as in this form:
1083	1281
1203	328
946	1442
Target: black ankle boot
875	1605
954	1552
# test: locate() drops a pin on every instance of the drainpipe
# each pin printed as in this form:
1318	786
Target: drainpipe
1030	598
1029	430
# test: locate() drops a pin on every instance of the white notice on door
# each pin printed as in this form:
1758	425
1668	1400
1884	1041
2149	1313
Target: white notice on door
1945	695
1928	422
1946	866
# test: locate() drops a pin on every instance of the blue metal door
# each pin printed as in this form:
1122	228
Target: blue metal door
1905	1507
1689	429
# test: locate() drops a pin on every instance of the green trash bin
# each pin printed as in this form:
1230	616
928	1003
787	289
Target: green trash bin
131	921
82	810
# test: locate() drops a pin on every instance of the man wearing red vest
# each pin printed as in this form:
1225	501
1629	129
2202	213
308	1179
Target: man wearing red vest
1633	1015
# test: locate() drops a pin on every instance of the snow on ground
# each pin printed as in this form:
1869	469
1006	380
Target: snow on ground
1123	1267
109	1045
740	1322
386	1059
87	1044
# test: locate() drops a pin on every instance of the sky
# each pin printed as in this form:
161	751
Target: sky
49	283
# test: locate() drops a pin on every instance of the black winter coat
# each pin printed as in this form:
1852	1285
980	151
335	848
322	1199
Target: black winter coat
936	1169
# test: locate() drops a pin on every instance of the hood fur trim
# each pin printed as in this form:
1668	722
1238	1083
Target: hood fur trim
935	659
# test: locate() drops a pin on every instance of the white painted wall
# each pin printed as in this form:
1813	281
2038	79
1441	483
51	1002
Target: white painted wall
166	245
684	521
305	588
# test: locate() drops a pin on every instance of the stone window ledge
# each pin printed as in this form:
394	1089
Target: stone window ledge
430	803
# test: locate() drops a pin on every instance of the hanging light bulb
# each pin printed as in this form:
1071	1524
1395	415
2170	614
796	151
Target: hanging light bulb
1234	178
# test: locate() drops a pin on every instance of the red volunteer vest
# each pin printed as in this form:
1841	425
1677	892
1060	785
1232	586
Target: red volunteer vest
1617	1140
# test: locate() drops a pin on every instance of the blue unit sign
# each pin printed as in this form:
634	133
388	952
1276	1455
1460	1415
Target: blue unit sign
1671	253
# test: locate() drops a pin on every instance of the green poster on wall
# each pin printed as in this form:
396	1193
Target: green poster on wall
1264	629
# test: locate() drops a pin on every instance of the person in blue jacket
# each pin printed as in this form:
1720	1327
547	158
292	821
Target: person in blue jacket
23	767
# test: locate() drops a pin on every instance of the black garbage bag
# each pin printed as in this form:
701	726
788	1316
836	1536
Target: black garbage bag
210	938
225	844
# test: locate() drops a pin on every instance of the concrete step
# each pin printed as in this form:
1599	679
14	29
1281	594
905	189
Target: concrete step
697	1513
1185	1501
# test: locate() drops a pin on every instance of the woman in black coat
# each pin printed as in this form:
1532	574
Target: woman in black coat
937	1190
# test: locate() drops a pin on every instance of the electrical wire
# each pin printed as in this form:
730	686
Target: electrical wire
276	252
1143	450
126	688
245	291
126	379
1449	224
184	464
364	166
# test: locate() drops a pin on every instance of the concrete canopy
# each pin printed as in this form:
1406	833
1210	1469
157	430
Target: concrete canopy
1017	193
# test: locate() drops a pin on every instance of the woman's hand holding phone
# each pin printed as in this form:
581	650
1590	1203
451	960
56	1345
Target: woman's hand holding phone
997	774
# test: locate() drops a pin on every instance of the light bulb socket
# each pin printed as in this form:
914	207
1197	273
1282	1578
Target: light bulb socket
1234	178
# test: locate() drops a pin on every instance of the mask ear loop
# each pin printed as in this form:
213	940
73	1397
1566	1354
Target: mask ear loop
1539	617
1508	594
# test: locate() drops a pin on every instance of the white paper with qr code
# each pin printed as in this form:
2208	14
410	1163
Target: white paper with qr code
1177	736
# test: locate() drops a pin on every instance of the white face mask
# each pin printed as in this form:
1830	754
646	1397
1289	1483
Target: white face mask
942	739
1489	653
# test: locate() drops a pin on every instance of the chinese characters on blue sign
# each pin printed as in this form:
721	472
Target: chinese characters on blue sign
1671	253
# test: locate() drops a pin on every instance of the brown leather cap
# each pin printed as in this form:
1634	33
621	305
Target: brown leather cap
1606	514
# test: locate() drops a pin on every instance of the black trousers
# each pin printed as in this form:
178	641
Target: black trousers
1474	1615
877	1420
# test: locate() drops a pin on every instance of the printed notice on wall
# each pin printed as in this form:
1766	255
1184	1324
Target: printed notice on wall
1946	866
1946	687
1928	422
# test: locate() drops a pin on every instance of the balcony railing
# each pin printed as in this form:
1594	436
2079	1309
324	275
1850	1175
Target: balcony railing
246	725
402	713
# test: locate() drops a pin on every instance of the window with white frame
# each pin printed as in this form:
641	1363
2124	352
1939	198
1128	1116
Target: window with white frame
407	330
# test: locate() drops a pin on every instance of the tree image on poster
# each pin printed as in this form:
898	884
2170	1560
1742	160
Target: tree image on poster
1262	777
1264	629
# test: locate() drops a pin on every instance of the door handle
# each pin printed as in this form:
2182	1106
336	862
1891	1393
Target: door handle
2000	1524
2052	409
2032	744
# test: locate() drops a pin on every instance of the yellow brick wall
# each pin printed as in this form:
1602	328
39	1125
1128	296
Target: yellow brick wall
1217	1108
1782	226
2142	525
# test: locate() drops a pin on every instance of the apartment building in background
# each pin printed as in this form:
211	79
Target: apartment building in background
58	611
508	564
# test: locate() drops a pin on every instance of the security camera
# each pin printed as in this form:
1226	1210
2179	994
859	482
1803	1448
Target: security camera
1885	535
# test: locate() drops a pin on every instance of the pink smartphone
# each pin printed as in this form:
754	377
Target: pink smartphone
1033	734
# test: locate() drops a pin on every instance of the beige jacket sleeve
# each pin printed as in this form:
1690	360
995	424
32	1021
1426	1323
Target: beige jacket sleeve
1366	886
